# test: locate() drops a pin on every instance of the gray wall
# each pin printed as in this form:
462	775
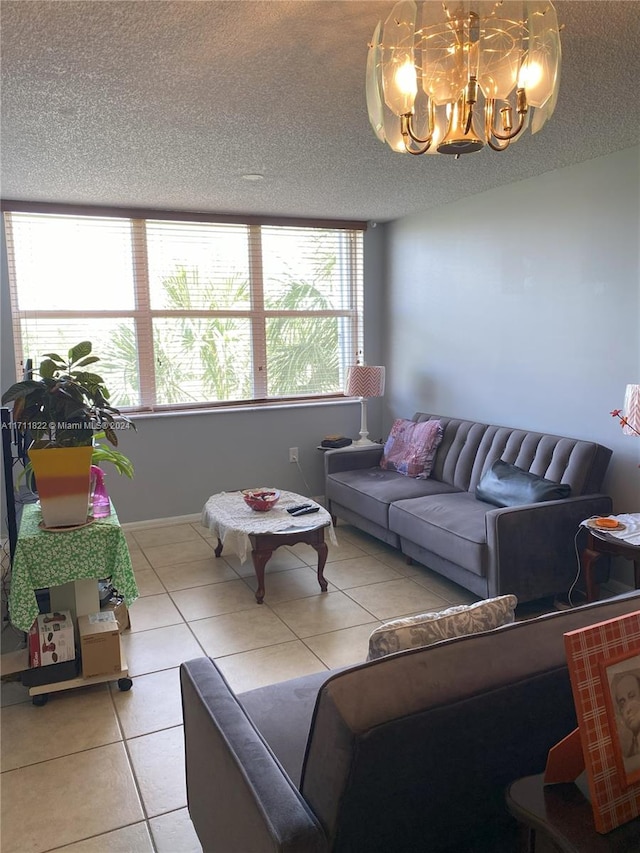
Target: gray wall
182	459
521	306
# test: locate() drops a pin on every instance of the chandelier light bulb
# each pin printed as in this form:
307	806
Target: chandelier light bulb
405	79
451	79
530	75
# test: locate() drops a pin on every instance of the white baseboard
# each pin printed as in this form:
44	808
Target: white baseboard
194	518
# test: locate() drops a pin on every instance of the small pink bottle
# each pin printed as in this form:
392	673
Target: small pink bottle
101	504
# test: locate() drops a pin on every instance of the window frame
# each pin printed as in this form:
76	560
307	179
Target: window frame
142	314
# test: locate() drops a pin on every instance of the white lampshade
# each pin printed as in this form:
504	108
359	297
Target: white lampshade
631	410
365	380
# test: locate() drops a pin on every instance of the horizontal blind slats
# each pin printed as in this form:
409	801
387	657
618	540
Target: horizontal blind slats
189	313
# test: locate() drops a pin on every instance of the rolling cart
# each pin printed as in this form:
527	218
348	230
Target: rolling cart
70	562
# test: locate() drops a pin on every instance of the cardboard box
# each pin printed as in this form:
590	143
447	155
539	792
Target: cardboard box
51	639
99	644
117	605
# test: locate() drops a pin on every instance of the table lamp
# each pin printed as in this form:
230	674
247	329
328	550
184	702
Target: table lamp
631	410
364	381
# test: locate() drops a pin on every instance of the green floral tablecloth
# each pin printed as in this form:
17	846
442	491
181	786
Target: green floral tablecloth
45	558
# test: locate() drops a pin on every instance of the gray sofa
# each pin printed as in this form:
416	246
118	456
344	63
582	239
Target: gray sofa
527	550
409	753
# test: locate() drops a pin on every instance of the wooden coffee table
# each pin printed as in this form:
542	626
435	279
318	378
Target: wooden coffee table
245	531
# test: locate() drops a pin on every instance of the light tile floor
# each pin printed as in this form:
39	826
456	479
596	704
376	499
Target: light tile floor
97	770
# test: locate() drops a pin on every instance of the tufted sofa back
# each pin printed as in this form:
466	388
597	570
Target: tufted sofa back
469	448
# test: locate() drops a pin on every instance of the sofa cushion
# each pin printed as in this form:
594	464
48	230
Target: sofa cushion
282	712
451	525
507	485
427	628
369	491
411	447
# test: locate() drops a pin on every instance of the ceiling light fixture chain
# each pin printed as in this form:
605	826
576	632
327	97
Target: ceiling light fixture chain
449	79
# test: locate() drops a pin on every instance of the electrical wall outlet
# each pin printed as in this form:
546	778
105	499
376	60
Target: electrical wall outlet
293	454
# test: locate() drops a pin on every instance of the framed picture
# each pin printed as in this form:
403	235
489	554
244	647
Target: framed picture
604	667
622	698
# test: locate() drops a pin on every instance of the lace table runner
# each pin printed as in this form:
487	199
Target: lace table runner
229	518
631	532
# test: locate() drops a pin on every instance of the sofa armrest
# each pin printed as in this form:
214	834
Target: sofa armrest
532	548
350	460
239	797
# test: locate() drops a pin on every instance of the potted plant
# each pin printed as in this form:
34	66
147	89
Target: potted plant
66	412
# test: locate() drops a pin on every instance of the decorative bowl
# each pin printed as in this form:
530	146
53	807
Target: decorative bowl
261	500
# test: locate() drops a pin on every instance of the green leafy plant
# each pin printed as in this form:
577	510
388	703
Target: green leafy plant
104	453
68	407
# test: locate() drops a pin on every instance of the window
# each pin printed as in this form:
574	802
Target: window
185	312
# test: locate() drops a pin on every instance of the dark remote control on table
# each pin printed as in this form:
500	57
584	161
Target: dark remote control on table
293	509
306	511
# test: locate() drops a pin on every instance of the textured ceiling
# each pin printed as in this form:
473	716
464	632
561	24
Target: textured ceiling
167	104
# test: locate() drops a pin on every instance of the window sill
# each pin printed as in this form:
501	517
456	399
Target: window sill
248	407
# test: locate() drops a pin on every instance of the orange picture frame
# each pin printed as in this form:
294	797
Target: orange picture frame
604	667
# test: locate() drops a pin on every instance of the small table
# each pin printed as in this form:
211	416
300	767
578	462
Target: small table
242	529
562	814
45	558
70	562
598	544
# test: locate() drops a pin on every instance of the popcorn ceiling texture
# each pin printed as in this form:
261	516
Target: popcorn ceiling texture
167	105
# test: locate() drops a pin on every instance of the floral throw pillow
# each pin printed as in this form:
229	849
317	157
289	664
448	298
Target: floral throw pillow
427	628
411	448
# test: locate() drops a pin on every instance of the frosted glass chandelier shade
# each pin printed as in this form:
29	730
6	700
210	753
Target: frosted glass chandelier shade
450	78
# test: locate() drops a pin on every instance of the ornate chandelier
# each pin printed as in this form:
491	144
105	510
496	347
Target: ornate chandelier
448	77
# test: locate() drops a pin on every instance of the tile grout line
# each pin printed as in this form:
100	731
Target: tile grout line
344	590
132	768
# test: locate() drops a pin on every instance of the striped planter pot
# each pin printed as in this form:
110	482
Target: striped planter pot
63	482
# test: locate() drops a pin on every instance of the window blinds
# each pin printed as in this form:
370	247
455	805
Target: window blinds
186	313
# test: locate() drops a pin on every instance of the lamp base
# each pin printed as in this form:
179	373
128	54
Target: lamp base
363	442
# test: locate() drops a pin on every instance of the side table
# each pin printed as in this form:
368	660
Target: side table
561	815
45	558
599	544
